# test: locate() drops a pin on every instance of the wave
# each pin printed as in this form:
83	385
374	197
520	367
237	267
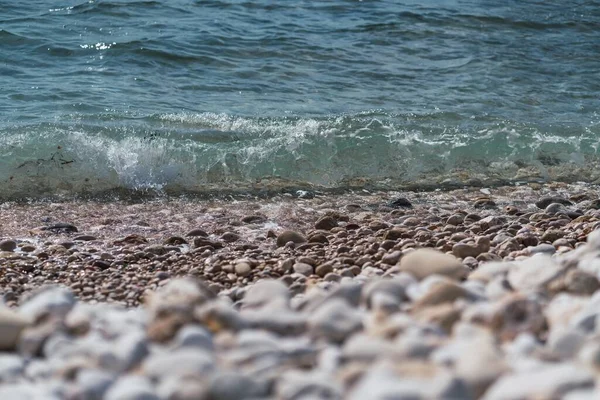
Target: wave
179	153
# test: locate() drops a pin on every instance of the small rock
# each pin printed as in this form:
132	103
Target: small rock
101	264
60	228
424	262
193	336
156	249
323	269
11	325
392	258
547	200
554	208
441	292
399	202
230	237
534	273
186	361
243	269
302	268
264	292
8	245
254	219
234	386
92	384
326	223
551	381
335	320
464	250
52	301
197	232
175	241
290	236
85	238
131	239
455	219
131	387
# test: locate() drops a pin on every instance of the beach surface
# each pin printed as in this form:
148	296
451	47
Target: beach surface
472	293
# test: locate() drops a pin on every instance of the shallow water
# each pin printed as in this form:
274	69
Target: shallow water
191	96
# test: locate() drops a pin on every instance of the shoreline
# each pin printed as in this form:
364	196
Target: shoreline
253	225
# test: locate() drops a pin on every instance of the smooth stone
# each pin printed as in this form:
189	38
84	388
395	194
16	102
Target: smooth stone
264	292
193	336
395	288
178	294
455	219
8	245
230	237
491	270
399	202
290	236
231	385
131	387
243	269
365	348
11	326
294	385
326	223
422	263
60	227
197	232
464	250
276	319
156	249
335	320
254	219
545	201
323	269
548	382
53	301
565	343
184	361
534	273
303	269
441	292
515	314
92	384
480	363
410	381
85	238
544	248
554	208
11	367
392	258
183	388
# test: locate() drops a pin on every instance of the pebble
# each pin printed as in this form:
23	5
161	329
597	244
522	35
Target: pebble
8	245
11	325
290	236
303	269
243	269
422	263
132	387
326	223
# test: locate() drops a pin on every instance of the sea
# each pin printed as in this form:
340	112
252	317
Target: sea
189	97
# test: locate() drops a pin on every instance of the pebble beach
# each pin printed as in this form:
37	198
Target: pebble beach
464	294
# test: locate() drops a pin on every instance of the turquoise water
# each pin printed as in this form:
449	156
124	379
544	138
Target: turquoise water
192	96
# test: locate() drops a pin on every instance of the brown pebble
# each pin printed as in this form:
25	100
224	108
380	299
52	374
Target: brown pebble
197	232
326	223
290	236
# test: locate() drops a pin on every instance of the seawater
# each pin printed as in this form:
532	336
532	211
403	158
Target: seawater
193	96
